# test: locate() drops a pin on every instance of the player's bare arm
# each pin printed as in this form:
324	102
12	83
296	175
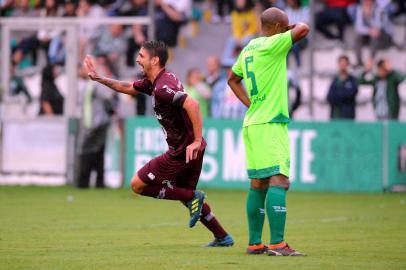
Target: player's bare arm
234	82
299	31
192	108
118	86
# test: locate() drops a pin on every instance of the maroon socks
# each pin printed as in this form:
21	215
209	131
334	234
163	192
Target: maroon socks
208	219
168	192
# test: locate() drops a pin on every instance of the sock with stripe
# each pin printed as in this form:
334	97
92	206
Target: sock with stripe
208	219
168	193
276	211
255	214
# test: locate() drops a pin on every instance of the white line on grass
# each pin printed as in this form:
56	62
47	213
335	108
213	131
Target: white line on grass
334	219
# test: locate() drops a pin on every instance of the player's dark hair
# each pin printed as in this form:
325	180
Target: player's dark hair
158	49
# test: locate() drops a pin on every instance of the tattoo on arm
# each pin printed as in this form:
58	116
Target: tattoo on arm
119	86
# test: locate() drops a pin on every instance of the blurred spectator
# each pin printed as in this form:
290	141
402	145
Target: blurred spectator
387	5
122	8
342	92
265	4
6	8
224	103
26	43
244	28
297	13
57	50
373	28
139	32
134	42
99	104
386	88
232	107
169	17
69	8
23	8
400	8
21	60
45	35
51	100
217	98
294	93
223	10
111	42
110	6
214	71
17	85
49	8
88	32
198	89
335	13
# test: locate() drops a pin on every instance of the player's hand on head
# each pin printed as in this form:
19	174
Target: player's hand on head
289	27
192	151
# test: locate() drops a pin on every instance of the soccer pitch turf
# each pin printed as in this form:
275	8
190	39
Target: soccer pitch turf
66	228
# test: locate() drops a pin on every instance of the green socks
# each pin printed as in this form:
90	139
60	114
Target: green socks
275	200
255	214
276	211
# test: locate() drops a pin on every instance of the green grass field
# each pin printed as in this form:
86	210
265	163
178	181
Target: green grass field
66	228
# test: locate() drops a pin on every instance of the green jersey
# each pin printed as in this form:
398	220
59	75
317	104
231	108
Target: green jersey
262	65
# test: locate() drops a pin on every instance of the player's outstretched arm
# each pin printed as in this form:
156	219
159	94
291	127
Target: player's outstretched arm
118	86
234	82
192	108
299	31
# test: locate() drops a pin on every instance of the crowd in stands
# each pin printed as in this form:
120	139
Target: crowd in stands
385	82
371	20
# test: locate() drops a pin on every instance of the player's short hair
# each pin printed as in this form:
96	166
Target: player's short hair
158	49
272	16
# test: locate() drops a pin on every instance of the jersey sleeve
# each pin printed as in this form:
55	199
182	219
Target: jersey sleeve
281	43
143	86
169	96
237	67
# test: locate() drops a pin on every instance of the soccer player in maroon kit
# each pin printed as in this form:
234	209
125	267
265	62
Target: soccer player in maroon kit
174	174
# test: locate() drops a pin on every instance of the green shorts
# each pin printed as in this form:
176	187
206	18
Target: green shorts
267	150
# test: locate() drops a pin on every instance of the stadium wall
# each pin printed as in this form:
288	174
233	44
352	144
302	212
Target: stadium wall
338	156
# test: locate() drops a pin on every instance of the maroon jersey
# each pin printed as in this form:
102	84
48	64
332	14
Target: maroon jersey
168	96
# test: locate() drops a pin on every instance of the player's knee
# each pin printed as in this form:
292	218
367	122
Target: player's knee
259	184
280	181
137	185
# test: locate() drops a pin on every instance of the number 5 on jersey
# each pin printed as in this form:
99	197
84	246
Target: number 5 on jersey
251	75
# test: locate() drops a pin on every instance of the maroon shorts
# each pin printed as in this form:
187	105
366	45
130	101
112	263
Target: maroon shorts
165	169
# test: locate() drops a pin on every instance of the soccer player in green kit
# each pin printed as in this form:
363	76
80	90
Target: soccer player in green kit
262	65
